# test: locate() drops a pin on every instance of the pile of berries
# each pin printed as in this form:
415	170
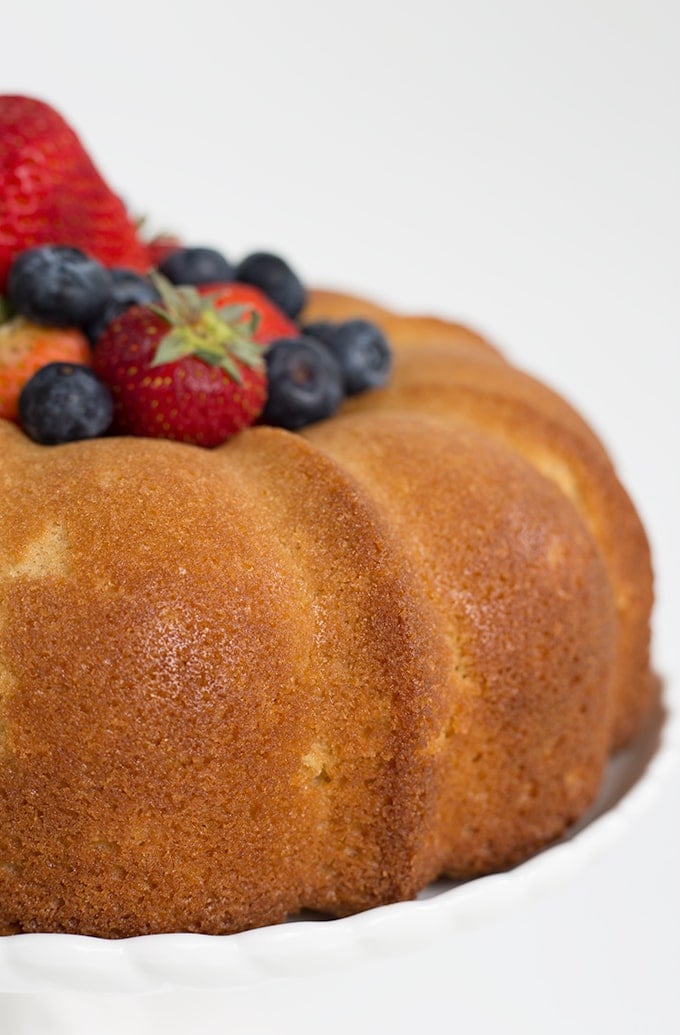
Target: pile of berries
195	350
111	334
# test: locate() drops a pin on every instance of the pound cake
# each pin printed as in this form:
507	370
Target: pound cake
301	617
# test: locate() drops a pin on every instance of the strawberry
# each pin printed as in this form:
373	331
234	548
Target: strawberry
51	193
190	369
25	347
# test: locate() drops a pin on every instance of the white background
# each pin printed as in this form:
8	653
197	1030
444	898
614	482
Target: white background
515	164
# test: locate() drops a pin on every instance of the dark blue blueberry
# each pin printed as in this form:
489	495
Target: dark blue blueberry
64	402
132	287
274	277
361	349
304	383
127	289
196	266
58	286
322	330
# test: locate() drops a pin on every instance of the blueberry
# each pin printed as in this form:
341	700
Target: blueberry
304	383
132	287
64	402
196	266
58	286
273	276
322	330
361	349
127	289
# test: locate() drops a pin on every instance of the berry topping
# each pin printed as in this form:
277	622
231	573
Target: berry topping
64	402
305	383
26	347
272	275
127	288
181	334
360	348
58	286
52	193
190	369
196	266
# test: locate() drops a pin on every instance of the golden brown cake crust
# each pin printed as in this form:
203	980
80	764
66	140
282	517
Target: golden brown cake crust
311	670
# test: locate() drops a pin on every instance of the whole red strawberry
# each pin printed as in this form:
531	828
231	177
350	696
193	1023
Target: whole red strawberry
190	369
51	193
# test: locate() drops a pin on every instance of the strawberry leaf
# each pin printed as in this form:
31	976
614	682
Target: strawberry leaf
159	311
254	322
175	345
231	313
209	356
228	364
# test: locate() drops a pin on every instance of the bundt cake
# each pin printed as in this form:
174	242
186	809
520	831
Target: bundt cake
311	670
